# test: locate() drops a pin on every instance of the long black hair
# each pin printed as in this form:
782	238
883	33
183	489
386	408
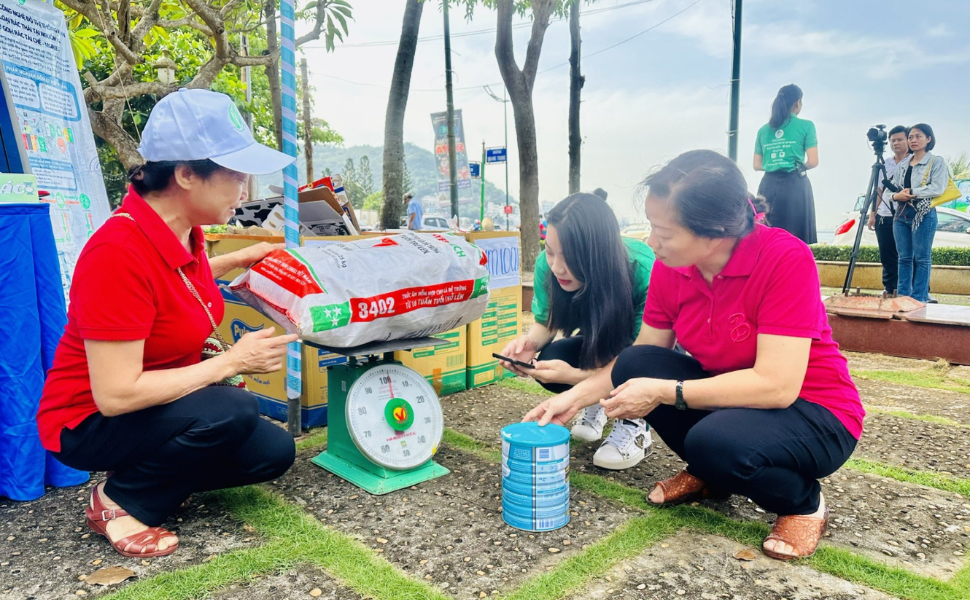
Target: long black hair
602	310
708	194
786	99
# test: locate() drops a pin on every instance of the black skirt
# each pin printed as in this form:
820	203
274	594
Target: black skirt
791	203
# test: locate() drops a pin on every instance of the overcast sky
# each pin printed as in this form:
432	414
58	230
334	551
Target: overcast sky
668	90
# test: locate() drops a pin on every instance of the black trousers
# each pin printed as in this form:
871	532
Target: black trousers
773	456
211	439
566	349
888	255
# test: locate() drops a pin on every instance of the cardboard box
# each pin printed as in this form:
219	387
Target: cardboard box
502	321
320	212
270	388
443	366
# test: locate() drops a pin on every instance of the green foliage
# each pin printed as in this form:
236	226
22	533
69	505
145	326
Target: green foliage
947	256
374	201
364	175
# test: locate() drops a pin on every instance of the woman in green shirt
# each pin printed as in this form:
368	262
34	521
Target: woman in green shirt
786	148
590	287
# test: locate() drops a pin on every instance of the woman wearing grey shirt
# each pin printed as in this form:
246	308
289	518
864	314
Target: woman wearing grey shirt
922	177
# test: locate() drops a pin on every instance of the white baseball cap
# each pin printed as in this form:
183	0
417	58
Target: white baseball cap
194	124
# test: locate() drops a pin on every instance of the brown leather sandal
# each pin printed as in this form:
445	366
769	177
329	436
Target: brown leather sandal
803	533
684	487
139	545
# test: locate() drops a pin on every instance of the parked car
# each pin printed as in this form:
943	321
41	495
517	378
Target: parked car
640	231
952	229
428	223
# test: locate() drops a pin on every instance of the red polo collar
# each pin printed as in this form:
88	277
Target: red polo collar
161	235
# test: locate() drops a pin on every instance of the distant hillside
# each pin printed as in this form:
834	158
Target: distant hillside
421	166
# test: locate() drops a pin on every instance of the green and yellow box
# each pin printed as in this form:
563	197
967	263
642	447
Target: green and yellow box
443	366
502	321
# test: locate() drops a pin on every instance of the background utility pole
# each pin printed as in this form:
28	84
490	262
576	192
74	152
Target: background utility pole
735	85
452	159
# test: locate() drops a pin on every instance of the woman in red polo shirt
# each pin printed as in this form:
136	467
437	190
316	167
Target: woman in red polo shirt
128	392
764	405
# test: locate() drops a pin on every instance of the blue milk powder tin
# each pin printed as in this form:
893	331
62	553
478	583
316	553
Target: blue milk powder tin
535	476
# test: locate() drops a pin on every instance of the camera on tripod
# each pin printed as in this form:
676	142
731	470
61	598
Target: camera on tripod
877	137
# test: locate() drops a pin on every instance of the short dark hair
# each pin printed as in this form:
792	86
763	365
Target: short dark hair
927	131
602	310
156	176
708	193
600	192
898	129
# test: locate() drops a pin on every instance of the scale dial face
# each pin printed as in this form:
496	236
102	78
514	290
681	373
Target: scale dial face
394	417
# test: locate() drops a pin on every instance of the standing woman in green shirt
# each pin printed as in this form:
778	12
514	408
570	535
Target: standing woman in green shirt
785	150
590	287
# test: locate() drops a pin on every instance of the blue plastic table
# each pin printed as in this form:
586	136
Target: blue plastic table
32	319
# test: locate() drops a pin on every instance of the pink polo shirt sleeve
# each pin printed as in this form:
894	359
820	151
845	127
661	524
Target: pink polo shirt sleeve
659	312
790	303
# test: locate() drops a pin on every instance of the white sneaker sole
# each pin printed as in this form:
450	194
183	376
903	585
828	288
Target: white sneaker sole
587	435
623	464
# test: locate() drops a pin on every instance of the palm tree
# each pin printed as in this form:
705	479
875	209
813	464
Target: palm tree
960	166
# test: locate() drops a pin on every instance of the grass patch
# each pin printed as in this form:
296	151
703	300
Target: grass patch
314	439
470	445
929	378
525	385
611	490
830	559
630	539
904	414
892	580
198	581
947	483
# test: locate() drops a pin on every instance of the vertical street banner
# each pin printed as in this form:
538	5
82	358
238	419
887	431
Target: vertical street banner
46	90
440	122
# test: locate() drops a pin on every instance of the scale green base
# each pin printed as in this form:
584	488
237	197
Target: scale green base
345	460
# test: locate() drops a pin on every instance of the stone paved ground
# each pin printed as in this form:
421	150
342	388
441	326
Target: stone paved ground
311	535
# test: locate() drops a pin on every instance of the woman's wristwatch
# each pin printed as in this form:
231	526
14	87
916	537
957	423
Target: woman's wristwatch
680	403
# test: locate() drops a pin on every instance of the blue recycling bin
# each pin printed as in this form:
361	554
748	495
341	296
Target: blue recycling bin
32	319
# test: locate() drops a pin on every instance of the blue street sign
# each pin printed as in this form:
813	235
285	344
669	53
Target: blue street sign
495	155
475	170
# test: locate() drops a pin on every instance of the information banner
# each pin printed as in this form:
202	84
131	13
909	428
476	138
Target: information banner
440	123
48	98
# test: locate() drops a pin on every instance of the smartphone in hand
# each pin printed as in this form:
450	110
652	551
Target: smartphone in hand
517	363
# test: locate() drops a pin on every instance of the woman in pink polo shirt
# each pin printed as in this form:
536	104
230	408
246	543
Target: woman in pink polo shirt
764	405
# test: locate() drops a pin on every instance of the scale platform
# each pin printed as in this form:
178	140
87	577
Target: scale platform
385	419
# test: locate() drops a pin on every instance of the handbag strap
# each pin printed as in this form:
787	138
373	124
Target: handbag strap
929	168
188	284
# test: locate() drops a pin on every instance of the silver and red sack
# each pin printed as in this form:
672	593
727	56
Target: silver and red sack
377	289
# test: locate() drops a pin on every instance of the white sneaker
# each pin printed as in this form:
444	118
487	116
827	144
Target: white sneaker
627	444
592	420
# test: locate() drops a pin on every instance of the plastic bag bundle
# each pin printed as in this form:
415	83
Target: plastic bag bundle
377	289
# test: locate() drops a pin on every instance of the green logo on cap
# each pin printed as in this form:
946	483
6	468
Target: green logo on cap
236	118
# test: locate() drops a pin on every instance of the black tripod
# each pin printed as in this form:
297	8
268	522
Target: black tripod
872	200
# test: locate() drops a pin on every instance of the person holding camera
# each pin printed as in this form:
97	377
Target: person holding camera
785	149
920	177
881	220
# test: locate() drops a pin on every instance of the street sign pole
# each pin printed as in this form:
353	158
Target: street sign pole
505	107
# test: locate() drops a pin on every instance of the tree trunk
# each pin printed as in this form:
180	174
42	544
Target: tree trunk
307	123
519	83
273	70
576	81
393	176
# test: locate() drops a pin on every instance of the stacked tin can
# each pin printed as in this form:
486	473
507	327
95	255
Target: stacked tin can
535	476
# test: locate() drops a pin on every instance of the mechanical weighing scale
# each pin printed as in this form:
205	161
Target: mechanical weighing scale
384	420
